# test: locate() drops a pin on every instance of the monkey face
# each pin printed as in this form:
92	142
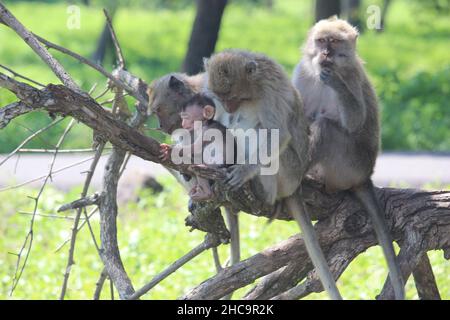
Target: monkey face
332	43
191	114
229	78
166	95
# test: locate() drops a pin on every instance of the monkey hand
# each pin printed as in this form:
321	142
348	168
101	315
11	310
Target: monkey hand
239	174
165	150
329	77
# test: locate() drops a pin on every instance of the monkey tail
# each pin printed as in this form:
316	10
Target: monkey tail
299	213
366	195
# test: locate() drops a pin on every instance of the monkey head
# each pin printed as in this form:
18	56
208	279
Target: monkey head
166	97
198	108
331	43
232	76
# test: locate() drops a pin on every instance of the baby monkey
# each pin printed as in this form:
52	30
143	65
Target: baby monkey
197	116
342	109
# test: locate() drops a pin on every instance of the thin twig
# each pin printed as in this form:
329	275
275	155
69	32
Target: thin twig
93	65
93	211
60	151
87	183
53	174
15	74
119	53
42	52
205	245
28	242
99	284
30	138
52	216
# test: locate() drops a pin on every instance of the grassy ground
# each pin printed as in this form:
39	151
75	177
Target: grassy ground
409	63
151	236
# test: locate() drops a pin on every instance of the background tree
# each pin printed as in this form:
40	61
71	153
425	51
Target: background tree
327	8
204	34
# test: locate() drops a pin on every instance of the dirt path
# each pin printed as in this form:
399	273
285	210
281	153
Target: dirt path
393	169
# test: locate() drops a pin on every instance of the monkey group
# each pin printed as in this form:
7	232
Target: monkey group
327	122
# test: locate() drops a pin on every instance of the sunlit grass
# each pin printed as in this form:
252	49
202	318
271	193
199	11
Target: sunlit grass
151	236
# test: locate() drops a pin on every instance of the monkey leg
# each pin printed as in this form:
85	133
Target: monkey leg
366	195
232	220
297	210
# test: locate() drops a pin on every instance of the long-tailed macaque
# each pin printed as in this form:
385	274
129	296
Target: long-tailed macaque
341	106
257	94
201	109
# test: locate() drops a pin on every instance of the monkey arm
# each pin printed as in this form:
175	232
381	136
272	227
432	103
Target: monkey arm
353	108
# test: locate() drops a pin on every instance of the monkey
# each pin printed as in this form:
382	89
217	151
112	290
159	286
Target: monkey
257	93
166	98
342	110
202	109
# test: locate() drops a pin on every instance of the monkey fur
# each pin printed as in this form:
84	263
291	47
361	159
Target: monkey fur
342	109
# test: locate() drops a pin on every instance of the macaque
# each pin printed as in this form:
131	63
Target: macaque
200	109
342	109
257	94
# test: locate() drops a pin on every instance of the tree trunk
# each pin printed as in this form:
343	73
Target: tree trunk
327	8
351	10
204	34
105	42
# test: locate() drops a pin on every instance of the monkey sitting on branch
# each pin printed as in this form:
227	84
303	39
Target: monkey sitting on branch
342	108
210	145
257	94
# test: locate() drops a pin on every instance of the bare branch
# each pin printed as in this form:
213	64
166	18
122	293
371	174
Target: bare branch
30	138
425	280
81	203
29	38
28	242
119	53
209	242
99	284
415	215
21	76
95	66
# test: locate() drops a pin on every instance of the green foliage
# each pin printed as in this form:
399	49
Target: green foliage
152	235
415	116
408	63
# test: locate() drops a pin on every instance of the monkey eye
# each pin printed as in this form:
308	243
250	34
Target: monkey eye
321	40
342	55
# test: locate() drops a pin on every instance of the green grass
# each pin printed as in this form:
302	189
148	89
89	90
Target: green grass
409	63
151	236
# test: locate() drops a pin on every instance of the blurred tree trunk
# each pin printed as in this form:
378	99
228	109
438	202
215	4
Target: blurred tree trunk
384	11
204	34
351	10
327	8
86	2
105	43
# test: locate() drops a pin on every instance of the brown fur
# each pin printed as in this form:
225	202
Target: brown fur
168	93
258	94
343	113
342	108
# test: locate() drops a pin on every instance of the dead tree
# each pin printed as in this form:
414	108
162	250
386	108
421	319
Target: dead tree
418	220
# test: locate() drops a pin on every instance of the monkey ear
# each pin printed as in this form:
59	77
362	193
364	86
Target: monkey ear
176	84
333	18
250	67
205	63
208	112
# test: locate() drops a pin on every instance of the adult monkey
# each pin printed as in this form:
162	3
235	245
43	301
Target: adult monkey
342	108
166	98
257	94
